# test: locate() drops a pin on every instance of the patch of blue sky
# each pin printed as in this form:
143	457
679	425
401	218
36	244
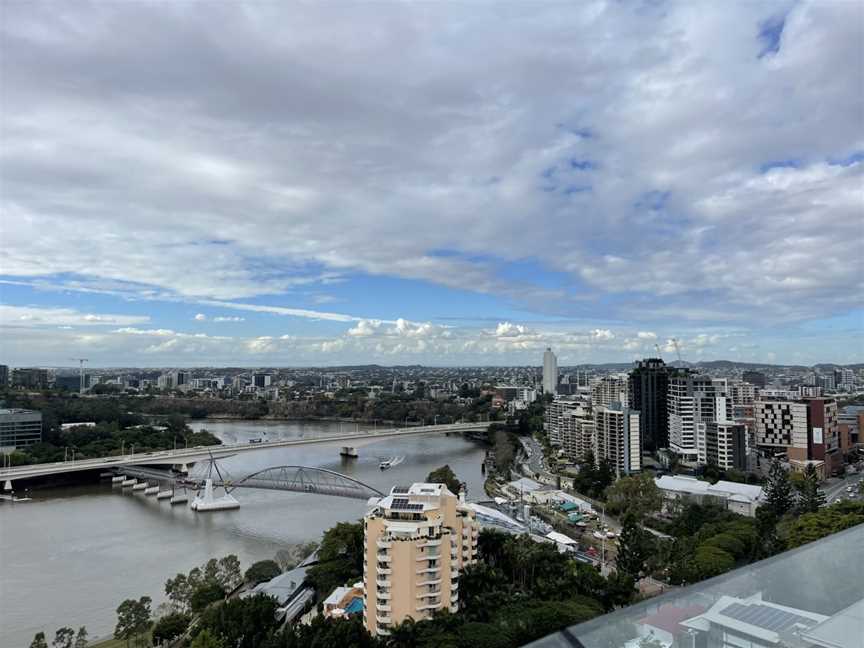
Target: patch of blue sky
857	156
582	165
791	163
770	33
655	200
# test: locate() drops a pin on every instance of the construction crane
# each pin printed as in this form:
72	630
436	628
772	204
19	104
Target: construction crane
81	362
659	352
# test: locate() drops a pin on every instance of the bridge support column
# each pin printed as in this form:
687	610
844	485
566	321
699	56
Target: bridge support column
8	485
349	452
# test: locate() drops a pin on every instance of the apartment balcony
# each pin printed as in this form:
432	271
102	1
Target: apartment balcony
384	632
434	594
382	608
384	557
382	583
430	606
431	543
436	581
428	570
428	556
384	544
385	570
383	619
454	597
383	594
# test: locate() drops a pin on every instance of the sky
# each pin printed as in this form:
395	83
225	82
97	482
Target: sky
292	184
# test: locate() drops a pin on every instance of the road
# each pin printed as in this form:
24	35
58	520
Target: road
533	454
191	455
836	490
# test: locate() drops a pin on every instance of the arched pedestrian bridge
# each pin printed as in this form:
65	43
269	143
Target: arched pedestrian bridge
298	479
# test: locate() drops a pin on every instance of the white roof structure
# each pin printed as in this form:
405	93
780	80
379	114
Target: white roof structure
560	538
525	484
336	595
724	489
495	517
680	484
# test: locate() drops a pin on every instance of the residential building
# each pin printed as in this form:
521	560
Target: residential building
19	428
4	375
576	431
742	393
30	378
805	429
552	417
418	539
649	383
550	372
165	381
616	438
726	445
690	400
610	389
845	378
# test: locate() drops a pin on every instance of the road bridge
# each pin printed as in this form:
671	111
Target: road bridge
185	456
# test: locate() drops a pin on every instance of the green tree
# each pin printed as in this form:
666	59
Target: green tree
503	449
779	496
261	571
241	623
179	591
634	547
39	641
63	638
229	574
133	619
205	639
208	592
444	475
637	495
811	498
169	627
81	638
340	558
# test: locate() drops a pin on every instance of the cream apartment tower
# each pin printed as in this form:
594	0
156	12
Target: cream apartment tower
418	539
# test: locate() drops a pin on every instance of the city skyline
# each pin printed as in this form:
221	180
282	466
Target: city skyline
446	186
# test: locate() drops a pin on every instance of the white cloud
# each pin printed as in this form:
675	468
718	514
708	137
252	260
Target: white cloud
624	148
365	328
646	335
602	334
39	316
222	318
200	317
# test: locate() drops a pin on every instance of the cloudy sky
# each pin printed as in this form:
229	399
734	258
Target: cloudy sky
220	183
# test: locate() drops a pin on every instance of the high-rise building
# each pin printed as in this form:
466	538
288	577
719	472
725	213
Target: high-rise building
756	378
610	389
576	432
18	428
4	375
684	407
418	539
552	417
261	380
805	429
649	384
30	378
726	445
742	393
550	372
844	378
616	438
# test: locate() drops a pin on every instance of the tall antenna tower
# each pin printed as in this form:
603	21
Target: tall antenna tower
81	381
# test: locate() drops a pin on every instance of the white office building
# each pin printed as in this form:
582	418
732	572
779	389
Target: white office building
616	438
610	389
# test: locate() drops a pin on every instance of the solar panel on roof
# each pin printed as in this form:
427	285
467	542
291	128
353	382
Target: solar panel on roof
765	616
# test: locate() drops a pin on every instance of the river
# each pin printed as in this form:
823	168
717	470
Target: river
70	556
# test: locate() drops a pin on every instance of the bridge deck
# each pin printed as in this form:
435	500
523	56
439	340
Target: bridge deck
191	455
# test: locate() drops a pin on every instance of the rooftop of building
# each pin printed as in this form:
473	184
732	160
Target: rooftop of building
694	486
416	498
17	410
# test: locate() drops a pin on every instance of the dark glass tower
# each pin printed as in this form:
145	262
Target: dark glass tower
649	383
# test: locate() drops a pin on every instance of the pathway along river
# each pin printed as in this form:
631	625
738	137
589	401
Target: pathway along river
69	557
